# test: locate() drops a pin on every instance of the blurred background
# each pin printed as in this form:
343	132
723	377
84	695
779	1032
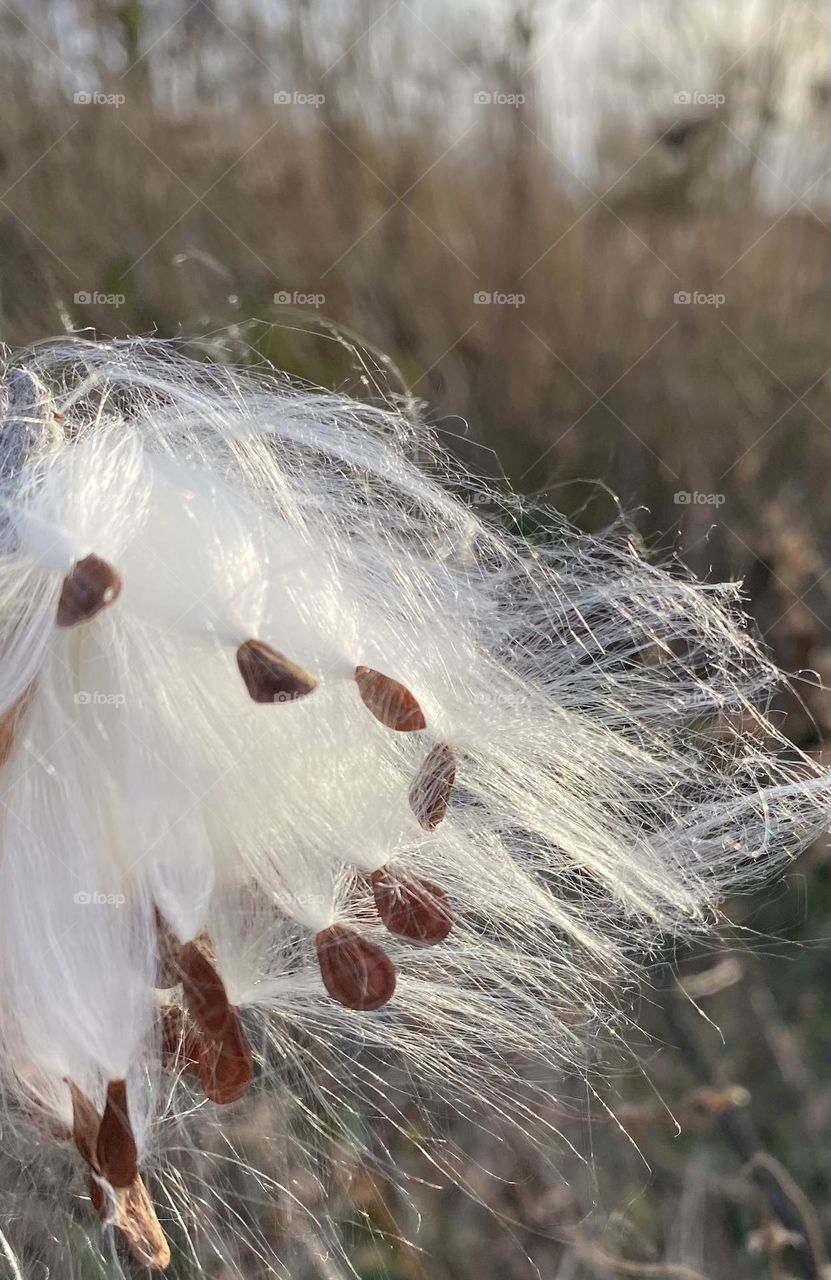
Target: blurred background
594	239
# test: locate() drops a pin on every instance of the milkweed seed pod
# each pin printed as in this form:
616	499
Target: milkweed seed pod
305	762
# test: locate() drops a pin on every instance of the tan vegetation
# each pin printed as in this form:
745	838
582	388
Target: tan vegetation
188	207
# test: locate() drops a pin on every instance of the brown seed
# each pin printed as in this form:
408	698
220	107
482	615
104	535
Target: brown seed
85	1125
133	1213
116	1146
432	785
89	587
355	972
98	1198
389	701
414	909
203	989
226	1066
270	676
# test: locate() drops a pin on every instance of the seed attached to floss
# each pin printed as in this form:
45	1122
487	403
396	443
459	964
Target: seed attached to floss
414	909
89	587
432	786
226	1066
222	1054
355	972
389	701
85	1125
204	991
131	1210
270	676
116	1151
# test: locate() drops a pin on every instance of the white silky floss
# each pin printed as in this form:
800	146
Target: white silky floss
296	745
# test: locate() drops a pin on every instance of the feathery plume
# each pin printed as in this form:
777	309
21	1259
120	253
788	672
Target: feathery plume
565	763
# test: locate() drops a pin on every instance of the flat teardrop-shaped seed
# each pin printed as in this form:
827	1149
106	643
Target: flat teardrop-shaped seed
431	788
86	1123
115	1148
389	701
89	587
355	972
203	989
226	1066
414	909
270	676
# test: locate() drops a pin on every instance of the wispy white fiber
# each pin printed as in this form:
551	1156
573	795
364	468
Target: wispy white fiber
558	764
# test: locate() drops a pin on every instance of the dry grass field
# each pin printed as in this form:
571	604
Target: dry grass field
385	198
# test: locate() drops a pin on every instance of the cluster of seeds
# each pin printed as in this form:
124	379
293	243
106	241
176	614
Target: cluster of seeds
248	632
204	1034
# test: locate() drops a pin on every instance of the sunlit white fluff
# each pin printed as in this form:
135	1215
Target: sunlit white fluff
614	775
